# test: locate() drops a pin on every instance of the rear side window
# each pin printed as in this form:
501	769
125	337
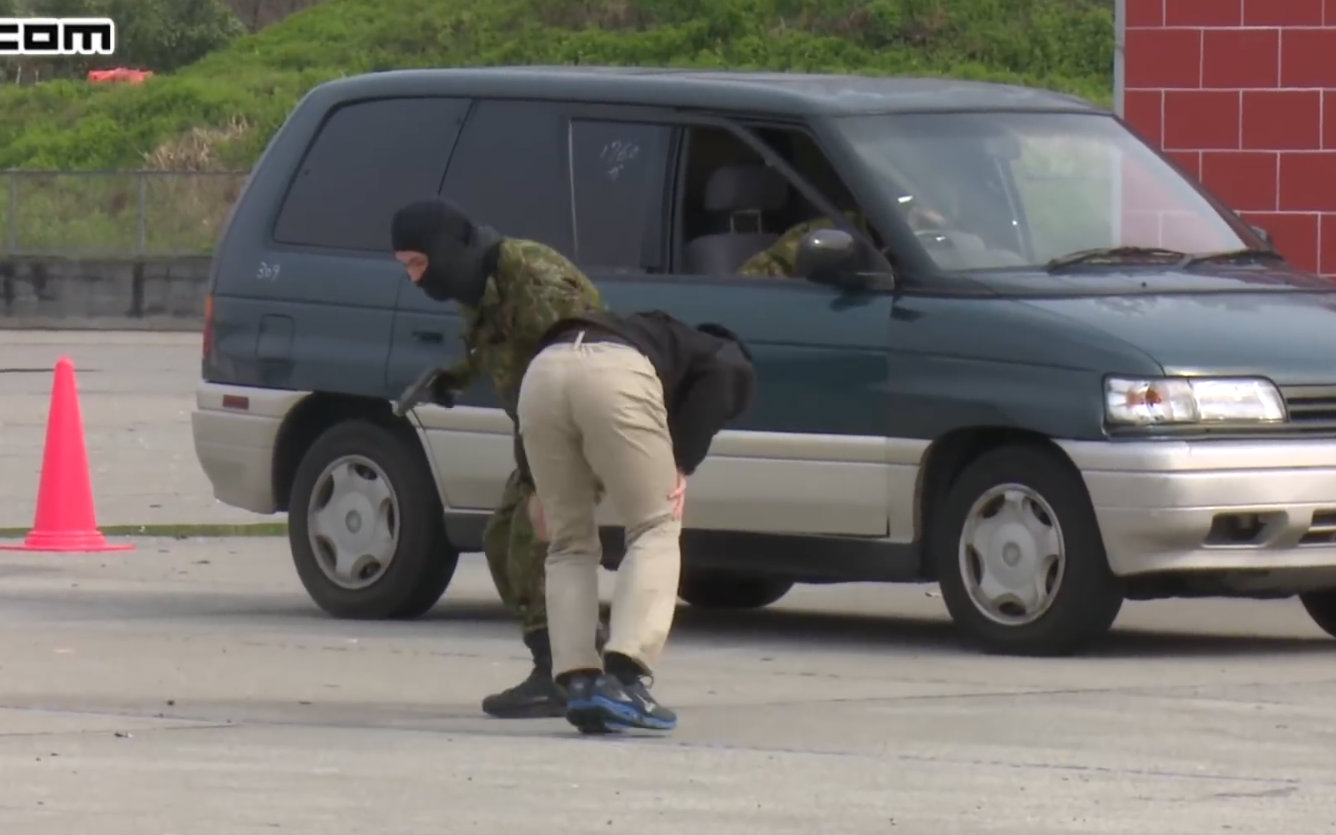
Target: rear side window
619	170
510	172
368	159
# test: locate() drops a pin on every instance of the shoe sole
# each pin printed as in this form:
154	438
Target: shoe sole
544	711
624	717
589	718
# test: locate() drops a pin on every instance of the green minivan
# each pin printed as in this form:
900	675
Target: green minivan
1018	353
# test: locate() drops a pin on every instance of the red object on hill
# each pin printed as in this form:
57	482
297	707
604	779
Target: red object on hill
122	75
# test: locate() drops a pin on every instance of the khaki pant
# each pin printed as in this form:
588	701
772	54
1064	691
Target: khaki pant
594	413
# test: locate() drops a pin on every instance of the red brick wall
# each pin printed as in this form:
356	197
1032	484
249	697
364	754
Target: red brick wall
1242	94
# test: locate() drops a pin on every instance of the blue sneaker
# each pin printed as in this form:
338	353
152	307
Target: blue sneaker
581	709
628	704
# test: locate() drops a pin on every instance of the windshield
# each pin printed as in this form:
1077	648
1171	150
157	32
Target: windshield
1008	190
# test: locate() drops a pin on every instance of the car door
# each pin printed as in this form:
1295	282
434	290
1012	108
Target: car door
509	170
322	289
811	455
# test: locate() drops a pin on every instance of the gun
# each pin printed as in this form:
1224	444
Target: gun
424	388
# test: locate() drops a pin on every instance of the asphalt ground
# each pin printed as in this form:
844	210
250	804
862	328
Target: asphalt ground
190	686
136	392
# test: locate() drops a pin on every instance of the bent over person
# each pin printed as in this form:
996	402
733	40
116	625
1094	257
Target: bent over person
510	291
631	402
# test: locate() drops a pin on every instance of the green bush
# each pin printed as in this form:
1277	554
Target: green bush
161	35
1060	44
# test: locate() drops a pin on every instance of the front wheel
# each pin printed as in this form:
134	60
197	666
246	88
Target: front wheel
1321	607
1019	556
365	525
710	588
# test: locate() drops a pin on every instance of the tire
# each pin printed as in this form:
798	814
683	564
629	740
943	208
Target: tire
398	572
1080	598
1321	607
711	588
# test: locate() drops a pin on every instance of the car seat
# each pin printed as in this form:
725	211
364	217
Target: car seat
743	192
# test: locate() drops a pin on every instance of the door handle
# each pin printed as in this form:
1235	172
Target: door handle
435	337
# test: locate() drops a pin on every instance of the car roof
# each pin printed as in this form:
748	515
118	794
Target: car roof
777	93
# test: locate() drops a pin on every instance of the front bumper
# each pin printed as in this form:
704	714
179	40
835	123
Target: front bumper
1189	505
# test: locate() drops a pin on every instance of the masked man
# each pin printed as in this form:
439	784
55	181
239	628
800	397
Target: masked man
510	292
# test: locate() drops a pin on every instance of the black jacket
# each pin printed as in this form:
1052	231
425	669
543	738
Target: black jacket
706	372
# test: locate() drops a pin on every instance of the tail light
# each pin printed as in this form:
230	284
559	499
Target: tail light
208	326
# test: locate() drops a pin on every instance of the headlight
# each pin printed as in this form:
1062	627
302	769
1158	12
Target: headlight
1191	400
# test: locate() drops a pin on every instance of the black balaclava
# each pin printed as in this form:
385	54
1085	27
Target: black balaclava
460	253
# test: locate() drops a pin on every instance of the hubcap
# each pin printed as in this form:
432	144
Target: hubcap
353	522
1012	555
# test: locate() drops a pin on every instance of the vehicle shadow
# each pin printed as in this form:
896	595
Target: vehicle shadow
801	628
791	626
1149	643
869	631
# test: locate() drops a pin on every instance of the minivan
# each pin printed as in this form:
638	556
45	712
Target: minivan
1023	356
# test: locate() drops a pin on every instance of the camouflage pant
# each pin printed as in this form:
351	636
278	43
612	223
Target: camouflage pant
516	556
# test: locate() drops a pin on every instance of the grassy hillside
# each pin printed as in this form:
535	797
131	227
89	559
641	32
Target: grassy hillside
220	112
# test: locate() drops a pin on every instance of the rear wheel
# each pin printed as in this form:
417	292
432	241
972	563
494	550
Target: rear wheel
714	588
1019	556
365	525
1321	607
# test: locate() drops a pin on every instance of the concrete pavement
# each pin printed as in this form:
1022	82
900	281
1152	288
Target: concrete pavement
190	686
136	391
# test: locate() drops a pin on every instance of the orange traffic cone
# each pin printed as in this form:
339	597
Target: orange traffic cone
65	518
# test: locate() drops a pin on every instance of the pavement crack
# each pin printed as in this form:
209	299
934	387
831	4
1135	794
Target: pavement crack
187	725
445	727
1020	765
1282	791
1135	691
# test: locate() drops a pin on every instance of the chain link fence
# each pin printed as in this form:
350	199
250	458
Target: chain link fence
114	214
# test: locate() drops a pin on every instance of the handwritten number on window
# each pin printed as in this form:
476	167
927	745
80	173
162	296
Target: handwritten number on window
616	155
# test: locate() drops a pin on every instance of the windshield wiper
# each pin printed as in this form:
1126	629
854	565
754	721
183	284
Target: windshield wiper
1233	255
1115	255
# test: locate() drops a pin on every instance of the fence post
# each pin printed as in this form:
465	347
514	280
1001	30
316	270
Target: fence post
13	232
143	212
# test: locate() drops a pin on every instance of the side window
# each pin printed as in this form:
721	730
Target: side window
734	206
807	158
618	171
707	151
509	171
368	159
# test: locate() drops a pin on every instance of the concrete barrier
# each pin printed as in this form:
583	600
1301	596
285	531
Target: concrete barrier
103	293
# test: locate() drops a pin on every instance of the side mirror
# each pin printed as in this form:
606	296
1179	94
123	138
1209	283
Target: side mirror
828	256
1263	234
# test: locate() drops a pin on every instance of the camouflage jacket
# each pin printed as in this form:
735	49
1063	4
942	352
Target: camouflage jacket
779	260
532	287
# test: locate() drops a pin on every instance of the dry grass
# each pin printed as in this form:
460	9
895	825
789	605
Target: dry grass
857	23
197	148
595	14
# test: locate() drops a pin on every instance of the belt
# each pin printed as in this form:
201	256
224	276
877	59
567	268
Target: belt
589	336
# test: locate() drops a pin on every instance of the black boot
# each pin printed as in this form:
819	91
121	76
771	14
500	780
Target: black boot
538	695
